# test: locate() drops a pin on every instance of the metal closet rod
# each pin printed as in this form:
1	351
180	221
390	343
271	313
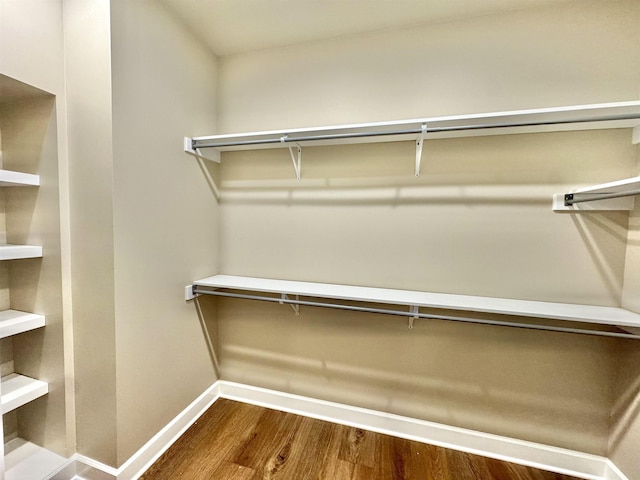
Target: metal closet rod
529	326
570	198
453	128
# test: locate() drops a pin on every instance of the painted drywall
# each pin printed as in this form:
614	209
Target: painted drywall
88	88
478	221
165	217
625	422
31	43
536	58
625	430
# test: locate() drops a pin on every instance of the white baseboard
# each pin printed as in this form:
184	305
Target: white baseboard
559	460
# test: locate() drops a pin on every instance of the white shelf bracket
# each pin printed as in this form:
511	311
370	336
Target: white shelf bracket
636	136
296	308
419	144
415	310
296	162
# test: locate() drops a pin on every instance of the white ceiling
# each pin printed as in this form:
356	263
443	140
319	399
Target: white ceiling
236	26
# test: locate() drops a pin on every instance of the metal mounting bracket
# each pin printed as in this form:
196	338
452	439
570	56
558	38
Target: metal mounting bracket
296	308
415	310
296	163
191	150
419	144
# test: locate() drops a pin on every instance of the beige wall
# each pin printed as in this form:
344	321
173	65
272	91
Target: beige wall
536	58
625	431
478	220
165	217
88	85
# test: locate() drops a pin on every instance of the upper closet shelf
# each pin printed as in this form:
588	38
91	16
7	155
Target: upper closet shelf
9	178
609	316
581	117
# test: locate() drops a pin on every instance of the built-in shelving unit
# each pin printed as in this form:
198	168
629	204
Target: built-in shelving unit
286	290
29	144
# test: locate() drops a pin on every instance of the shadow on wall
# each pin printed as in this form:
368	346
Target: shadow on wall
625	413
596	231
527	385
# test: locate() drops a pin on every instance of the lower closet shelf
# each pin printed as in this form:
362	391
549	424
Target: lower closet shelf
412	301
13	322
18	390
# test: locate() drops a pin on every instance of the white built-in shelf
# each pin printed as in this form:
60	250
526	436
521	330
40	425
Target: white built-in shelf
579	117
9	178
13	322
17	390
16	252
600	315
24	460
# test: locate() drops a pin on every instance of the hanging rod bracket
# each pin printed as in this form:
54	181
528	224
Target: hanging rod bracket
191	148
295	306
419	145
415	311
296	162
614	196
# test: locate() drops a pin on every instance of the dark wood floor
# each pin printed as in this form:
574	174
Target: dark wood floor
236	441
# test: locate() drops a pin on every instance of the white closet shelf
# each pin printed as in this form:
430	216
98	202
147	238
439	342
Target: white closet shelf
9	178
618	195
600	315
16	252
13	322
24	460
579	117
17	390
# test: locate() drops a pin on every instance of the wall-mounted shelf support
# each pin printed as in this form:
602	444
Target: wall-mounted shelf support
296	162
635	139
229	286
616	196
292	303
419	145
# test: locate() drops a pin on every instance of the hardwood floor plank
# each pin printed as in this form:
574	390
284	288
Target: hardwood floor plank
332	466
232	471
272	433
187	457
358	446
315	437
463	466
236	441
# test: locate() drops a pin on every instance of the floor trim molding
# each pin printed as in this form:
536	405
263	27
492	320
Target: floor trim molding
569	462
